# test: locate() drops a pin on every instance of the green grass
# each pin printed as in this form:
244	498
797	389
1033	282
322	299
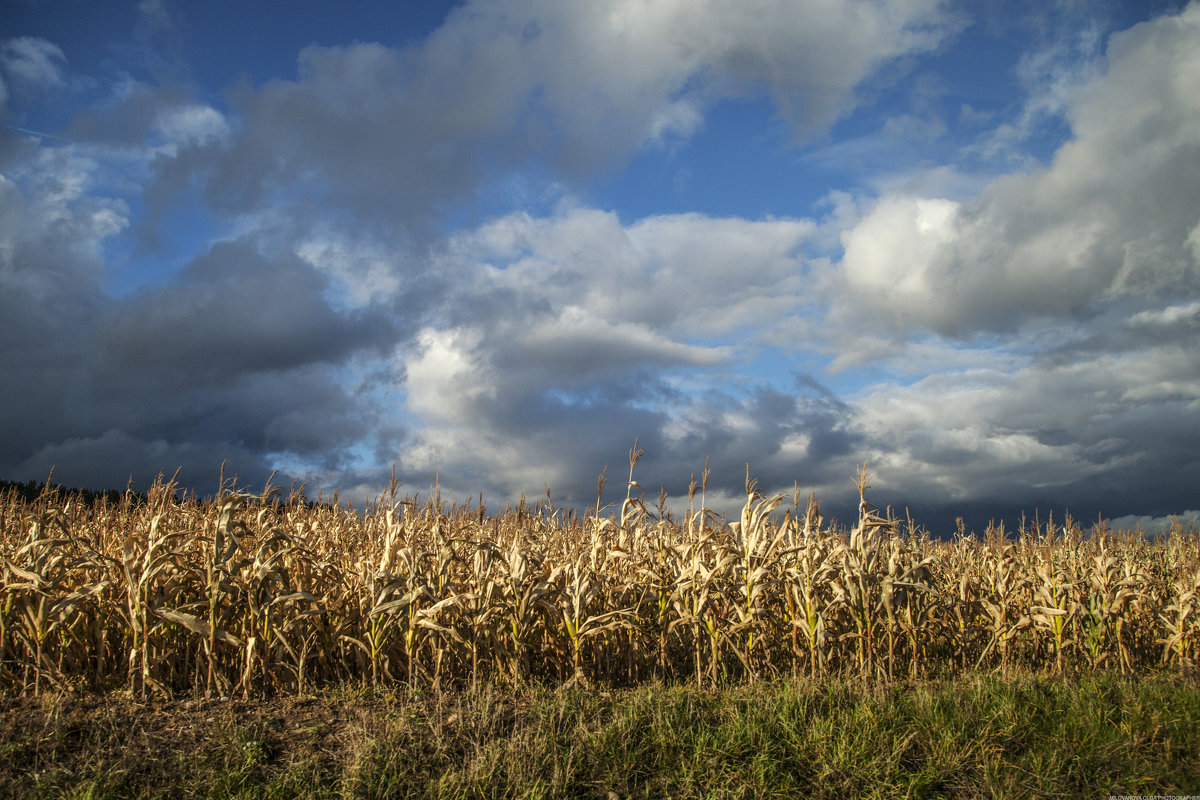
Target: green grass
975	736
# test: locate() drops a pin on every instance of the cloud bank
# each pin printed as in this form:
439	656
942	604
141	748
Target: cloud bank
389	257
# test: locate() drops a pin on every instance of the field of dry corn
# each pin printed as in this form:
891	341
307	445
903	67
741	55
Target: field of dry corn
253	595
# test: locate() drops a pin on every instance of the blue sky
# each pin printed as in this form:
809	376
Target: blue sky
491	243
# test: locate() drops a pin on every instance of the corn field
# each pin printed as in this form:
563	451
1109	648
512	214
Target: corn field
255	595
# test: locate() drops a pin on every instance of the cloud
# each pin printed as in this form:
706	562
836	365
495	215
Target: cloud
505	435
99	461
240	356
548	331
232	311
567	337
192	124
1035	340
1107	221
30	64
1084	435
1186	519
50	275
404	135
271	330
689	275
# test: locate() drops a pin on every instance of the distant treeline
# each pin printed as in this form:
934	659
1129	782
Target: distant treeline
29	491
32	490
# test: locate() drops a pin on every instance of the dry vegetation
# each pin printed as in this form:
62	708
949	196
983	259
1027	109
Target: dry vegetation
253	595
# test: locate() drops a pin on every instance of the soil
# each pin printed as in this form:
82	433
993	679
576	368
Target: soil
149	746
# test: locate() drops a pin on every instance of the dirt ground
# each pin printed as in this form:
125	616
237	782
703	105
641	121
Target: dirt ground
151	745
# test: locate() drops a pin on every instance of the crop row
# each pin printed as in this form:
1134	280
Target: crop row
253	595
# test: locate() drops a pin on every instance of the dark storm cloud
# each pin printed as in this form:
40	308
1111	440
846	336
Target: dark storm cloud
236	358
1140	326
50	284
799	438
233	311
1089	434
115	458
767	422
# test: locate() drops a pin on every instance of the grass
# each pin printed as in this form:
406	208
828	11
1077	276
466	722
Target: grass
1028	735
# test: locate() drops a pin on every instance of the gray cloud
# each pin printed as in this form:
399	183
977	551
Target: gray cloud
404	135
602	342
114	458
1102	430
30	64
239	356
233	311
519	438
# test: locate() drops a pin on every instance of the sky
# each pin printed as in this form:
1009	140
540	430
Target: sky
491	243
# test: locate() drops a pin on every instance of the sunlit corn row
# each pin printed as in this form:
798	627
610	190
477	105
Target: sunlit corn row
251	595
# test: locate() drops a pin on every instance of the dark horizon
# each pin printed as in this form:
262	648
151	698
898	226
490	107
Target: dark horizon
941	520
